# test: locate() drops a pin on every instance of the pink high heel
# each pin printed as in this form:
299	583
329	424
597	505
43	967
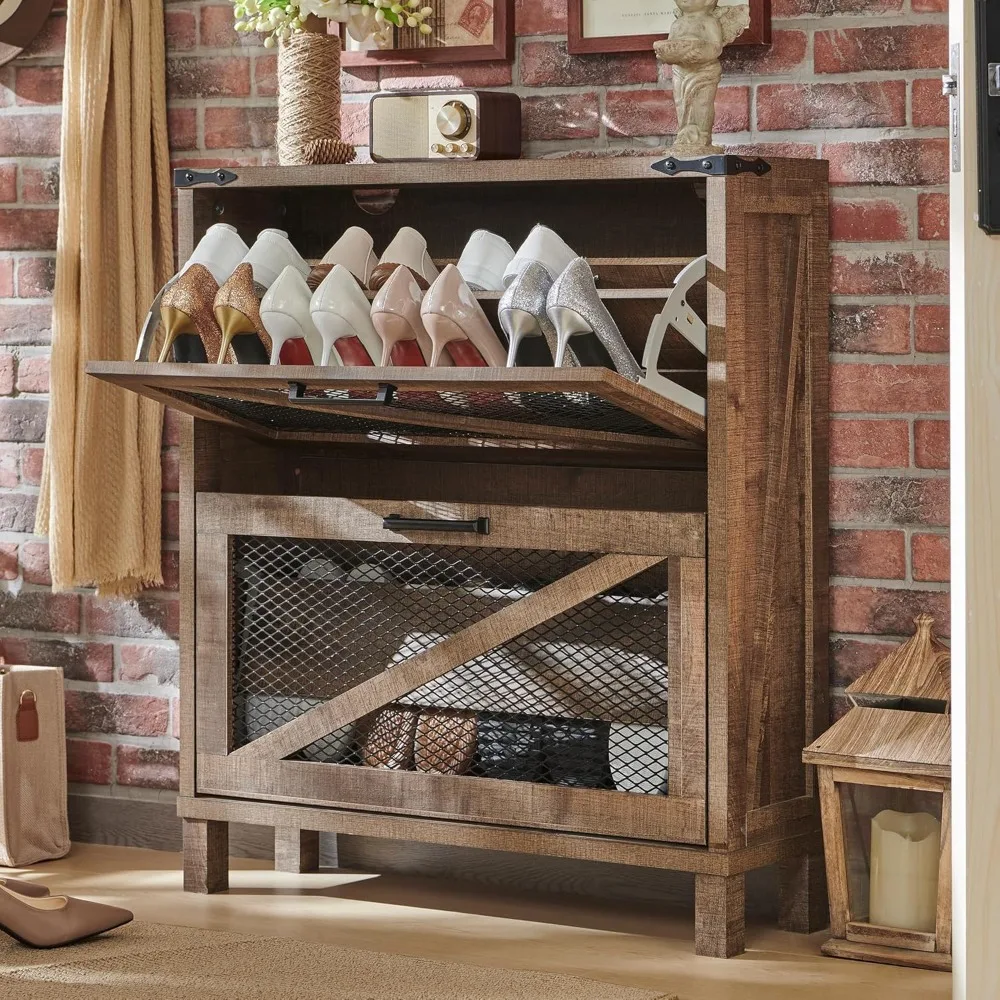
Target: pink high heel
396	318
457	325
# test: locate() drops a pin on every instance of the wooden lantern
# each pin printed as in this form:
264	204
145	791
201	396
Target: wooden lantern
885	797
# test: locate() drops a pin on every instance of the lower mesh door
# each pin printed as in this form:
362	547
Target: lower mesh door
565	724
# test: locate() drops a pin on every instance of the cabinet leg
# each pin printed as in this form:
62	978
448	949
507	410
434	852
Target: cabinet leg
719	915
295	850
802	899
206	856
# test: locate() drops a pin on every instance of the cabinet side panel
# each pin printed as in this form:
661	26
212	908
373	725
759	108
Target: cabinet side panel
768	287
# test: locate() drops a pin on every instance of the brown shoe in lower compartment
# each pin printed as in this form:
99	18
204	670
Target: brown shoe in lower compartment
389	742
445	741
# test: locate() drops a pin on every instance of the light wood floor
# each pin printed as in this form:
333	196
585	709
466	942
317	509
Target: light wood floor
459	922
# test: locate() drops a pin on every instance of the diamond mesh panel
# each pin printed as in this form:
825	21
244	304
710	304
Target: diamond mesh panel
576	410
581	700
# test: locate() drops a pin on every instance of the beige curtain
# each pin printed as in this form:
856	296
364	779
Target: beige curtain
100	498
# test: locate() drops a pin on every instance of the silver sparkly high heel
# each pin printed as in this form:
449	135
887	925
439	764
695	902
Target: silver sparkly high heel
532	337
577	313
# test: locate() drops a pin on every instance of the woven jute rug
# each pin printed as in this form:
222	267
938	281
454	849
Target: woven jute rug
156	962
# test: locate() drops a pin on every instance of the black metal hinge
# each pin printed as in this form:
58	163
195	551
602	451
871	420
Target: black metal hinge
721	164
184	177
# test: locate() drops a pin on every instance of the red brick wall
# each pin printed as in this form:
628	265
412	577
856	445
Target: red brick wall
855	81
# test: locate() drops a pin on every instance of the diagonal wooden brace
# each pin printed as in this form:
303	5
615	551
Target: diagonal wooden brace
400	679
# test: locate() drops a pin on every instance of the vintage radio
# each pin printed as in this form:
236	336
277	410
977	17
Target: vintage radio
445	125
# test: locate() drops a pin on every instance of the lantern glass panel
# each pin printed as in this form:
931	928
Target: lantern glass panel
906	850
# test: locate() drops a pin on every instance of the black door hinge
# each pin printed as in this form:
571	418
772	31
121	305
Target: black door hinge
185	177
718	165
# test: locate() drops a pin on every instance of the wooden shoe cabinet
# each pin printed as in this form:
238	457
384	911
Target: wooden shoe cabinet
520	565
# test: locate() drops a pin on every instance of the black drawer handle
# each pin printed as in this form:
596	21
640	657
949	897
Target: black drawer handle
396	522
297	394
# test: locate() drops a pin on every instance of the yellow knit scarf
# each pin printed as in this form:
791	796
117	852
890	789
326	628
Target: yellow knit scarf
100	497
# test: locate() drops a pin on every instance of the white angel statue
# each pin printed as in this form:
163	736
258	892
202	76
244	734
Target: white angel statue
697	38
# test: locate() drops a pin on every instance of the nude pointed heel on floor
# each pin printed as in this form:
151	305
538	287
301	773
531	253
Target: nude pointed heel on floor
54	921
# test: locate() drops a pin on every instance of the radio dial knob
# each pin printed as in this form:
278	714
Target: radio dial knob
451	148
454	120
465	147
437	148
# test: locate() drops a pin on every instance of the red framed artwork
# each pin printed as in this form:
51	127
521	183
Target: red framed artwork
634	25
464	31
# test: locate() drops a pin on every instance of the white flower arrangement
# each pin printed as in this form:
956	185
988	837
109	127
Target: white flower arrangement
277	19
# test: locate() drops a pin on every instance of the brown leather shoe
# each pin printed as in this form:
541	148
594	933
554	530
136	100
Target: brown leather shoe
389	743
23	888
445	742
53	921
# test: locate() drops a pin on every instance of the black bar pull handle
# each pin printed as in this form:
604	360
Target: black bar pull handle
396	522
297	394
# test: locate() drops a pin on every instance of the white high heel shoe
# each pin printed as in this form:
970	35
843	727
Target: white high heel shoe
485	258
355	251
407	249
341	313
220	250
545	247
284	311
237	305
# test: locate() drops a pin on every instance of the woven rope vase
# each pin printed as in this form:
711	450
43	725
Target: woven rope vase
309	98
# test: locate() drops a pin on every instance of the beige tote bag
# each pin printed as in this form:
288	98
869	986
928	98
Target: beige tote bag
34	825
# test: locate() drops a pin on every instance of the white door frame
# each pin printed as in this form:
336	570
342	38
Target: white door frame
975	548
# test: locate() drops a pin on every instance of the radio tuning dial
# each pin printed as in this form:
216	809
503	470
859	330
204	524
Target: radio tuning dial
454	120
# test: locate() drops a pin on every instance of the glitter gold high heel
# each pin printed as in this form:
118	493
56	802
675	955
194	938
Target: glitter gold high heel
237	309
190	329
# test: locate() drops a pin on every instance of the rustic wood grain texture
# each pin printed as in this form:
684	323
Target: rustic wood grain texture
803	906
264	384
763	445
920	668
253	468
836	859
499	837
213	682
890	937
885	739
295	850
488	633
686	706
206	855
517	527
767	465
838	948
943	922
460	797
719	915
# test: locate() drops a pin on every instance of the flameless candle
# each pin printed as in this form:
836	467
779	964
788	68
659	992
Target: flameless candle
906	849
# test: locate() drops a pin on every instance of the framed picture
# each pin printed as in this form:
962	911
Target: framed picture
633	25
463	31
